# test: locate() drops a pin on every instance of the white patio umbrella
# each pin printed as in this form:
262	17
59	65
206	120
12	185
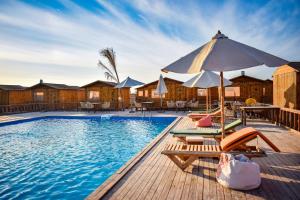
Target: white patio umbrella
206	79
161	89
223	54
128	83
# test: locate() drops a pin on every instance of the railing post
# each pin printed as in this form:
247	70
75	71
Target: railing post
298	121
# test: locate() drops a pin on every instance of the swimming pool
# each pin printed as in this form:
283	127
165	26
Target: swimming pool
69	157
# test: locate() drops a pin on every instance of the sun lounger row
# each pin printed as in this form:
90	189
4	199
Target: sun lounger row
235	142
183	154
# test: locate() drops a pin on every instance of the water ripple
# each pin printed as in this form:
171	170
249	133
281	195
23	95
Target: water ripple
68	158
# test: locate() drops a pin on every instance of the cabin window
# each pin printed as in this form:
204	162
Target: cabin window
202	92
146	93
140	93
232	91
39	96
93	95
154	95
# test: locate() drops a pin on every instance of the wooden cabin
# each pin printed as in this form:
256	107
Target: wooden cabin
244	87
14	94
105	91
176	92
286	86
57	96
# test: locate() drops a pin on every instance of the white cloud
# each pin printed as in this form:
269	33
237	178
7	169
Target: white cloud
36	43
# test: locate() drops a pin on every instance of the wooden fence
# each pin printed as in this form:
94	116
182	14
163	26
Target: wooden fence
286	117
37	107
289	118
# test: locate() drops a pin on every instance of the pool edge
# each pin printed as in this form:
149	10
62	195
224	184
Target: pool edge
107	185
35	118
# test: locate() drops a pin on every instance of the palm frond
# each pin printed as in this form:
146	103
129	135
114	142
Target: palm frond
103	66
110	55
109	76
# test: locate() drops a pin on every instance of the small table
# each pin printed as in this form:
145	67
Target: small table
147	105
96	106
273	110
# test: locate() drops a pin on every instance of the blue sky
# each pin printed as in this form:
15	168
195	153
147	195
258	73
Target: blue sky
58	40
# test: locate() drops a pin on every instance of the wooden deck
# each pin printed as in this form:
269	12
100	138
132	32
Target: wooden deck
154	176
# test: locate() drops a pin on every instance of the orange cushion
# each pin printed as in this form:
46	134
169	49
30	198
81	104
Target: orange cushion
204	122
236	136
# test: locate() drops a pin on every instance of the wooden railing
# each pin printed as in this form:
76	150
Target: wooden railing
289	118
37	107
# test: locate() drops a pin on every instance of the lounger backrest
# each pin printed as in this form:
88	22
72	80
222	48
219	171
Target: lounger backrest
216	112
215	109
234	139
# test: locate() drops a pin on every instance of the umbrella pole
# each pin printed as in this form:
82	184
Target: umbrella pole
206	100
161	102
209	91
222	105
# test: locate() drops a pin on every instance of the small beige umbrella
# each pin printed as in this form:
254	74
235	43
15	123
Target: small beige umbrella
206	79
223	54
161	89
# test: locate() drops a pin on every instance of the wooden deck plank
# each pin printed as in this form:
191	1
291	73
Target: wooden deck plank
156	177
187	183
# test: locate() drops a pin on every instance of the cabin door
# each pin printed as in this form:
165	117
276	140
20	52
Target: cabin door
53	99
256	93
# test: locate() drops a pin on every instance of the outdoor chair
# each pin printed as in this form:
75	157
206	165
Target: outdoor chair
105	105
89	106
83	106
180	105
192	104
138	106
171	105
183	154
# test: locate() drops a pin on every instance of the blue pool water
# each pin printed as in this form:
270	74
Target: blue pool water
59	158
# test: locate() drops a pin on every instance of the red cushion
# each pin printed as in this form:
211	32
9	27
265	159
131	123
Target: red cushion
204	122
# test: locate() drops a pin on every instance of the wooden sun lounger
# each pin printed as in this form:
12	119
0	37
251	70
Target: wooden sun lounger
204	111
183	155
197	116
206	132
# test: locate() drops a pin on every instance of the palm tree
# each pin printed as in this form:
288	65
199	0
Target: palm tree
110	70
